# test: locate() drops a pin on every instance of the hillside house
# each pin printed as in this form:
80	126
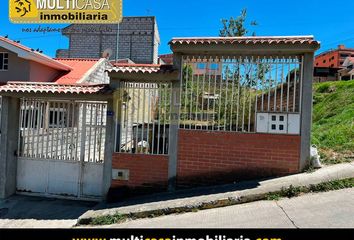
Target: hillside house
347	71
328	64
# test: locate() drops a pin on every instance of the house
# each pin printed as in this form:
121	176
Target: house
324	74
333	58
347	72
37	67
50	119
76	133
327	64
139	40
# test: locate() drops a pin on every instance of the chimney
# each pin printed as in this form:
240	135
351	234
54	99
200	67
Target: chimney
341	47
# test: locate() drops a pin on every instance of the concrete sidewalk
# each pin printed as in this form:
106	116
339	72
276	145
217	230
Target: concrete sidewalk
334	209
218	196
39	212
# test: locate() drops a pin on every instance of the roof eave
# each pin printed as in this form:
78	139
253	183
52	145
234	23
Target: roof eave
34	56
144	77
47	61
252	49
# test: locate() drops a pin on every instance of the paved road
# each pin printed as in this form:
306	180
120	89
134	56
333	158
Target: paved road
333	209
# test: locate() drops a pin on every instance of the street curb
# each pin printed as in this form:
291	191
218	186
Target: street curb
330	173
86	220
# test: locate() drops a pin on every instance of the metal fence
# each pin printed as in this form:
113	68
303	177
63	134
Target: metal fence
145	118
225	93
64	130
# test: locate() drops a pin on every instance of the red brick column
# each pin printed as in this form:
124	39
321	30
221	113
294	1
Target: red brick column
145	171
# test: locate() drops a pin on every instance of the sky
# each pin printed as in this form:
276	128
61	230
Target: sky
193	18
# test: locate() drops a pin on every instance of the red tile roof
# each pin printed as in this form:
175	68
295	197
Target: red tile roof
122	61
30	87
135	68
246	40
140	68
80	66
167	58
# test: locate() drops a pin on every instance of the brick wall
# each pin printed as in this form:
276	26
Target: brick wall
145	171
206	158
138	40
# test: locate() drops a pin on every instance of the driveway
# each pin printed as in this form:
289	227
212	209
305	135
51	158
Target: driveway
35	212
333	209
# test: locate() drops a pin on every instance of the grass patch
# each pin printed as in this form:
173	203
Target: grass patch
332	185
292	191
273	196
109	219
333	120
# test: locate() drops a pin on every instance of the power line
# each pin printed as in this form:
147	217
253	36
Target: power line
44	36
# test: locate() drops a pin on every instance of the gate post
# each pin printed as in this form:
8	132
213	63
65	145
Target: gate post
109	147
10	111
174	124
306	110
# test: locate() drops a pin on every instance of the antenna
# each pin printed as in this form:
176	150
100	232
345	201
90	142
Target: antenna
117	49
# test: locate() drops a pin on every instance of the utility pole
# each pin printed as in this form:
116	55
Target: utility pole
117	47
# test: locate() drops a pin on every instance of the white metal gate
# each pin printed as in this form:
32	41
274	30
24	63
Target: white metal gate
61	148
145	118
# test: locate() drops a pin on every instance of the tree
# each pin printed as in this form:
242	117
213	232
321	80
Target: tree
246	74
236	27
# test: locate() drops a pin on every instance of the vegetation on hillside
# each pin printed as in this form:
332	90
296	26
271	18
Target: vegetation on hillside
333	120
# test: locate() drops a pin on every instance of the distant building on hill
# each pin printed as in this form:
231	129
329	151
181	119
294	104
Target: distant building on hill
328	64
347	72
334	58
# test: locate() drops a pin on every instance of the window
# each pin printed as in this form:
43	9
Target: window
201	65
4	61
344	55
324	61
214	66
